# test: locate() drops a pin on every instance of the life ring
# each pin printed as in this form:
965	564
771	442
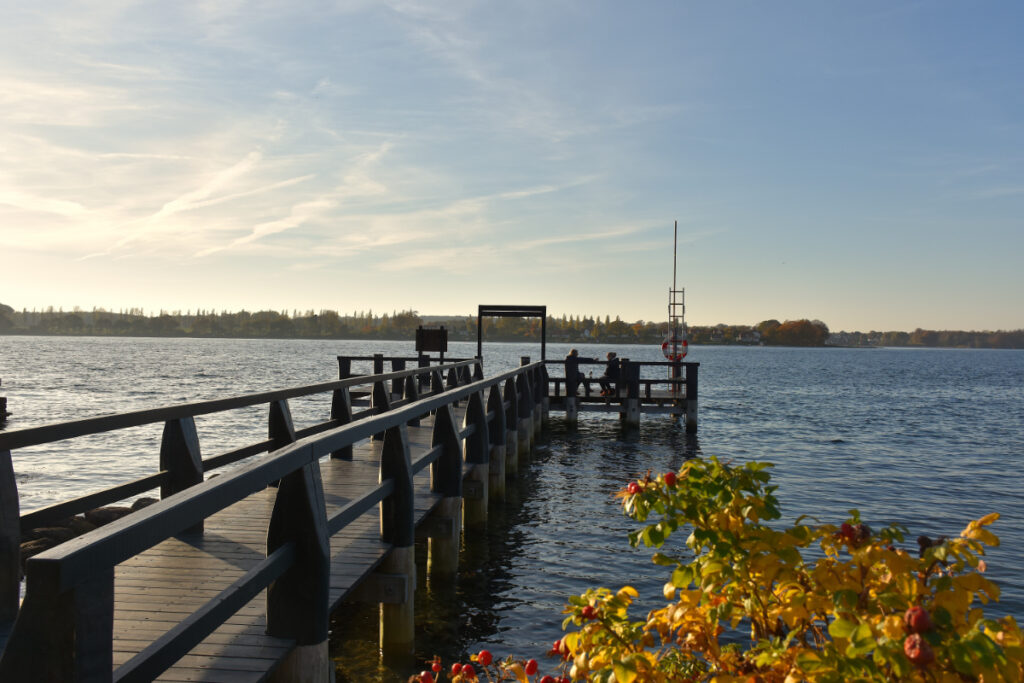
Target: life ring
674	348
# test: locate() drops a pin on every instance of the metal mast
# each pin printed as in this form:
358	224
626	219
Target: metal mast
676	297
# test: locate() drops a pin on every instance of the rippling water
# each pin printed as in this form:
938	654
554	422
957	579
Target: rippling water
926	438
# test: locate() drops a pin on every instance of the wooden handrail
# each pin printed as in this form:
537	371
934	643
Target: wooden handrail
89	560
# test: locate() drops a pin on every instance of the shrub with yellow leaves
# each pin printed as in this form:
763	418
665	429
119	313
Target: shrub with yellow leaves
863	608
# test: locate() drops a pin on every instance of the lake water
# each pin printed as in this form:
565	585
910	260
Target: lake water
926	438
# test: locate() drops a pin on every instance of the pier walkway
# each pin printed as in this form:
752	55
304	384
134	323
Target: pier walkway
231	576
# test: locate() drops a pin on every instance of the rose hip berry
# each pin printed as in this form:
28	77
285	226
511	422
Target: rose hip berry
531	667
918	651
588	613
456	669
468	671
548	679
633	488
670	479
426	677
917	620
484	658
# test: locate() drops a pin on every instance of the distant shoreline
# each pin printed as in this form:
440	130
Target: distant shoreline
488	338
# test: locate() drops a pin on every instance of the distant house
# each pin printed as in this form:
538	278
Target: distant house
749	337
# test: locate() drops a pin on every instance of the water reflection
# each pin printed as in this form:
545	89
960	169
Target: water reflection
558	532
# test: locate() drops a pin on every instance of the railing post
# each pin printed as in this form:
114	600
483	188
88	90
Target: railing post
397	365
10	539
62	635
538	402
341	413
478	369
629	374
344	367
381	403
477	449
180	457
378	363
397	527
511	428
691	397
281	430
446	479
423	361
297	600
412	394
525	412
545	395
496	432
572	383
453	382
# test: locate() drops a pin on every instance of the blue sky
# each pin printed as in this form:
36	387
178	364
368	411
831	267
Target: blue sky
861	163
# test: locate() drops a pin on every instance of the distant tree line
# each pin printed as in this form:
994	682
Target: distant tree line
330	324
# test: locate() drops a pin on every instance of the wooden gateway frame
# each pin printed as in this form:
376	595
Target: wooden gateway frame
511	312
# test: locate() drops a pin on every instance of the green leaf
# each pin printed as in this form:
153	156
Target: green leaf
841	628
663	560
682	577
845	599
961	656
625	671
810	662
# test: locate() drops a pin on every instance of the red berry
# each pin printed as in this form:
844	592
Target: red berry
588	613
456	668
468	671
557	647
548	679
918	651
426	677
531	667
670	479
917	620
633	488
436	666
846	531
484	658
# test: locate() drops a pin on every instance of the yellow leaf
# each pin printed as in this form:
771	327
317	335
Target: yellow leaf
517	670
627	591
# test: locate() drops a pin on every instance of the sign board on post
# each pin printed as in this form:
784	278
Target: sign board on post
428	340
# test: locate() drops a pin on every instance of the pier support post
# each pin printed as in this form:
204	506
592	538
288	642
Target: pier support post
397	527
10	539
443	546
572	413
496	432
446	479
477	457
691	397
630	374
538	403
297	600
545	401
305	663
524	399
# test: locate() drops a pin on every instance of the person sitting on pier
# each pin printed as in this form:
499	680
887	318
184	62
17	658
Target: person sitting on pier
581	380
611	374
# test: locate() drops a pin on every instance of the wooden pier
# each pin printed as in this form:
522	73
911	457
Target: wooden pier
232	577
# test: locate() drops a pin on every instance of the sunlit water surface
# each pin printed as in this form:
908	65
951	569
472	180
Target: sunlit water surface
926	438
